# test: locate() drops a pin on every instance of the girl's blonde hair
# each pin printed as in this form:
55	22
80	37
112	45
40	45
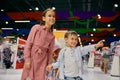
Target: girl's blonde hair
44	14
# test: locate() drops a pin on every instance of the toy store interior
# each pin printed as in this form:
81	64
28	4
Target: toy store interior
93	20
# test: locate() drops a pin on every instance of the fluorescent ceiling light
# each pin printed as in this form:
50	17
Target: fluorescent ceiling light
10	36
7	28
2	9
22	21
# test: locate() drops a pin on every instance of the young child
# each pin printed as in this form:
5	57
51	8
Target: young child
39	47
105	59
69	60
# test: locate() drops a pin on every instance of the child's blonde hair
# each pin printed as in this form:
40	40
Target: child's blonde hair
70	33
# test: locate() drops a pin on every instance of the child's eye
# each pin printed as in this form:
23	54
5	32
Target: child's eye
51	16
72	39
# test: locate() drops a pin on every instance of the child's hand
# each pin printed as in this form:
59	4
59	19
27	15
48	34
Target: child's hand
99	44
49	67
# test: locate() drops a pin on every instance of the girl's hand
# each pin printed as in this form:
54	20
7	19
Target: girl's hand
27	65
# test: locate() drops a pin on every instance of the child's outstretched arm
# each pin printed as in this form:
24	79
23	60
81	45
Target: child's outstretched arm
89	48
99	44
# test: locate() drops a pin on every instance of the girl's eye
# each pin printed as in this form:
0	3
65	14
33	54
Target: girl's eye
49	15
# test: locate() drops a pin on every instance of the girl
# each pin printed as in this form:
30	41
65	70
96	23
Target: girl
39	47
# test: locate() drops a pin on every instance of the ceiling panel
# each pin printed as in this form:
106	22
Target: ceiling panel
80	6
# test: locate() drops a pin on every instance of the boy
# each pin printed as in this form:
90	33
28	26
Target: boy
69	60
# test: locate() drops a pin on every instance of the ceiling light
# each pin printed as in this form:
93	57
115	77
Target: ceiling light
99	16
36	8
10	36
6	22
53	8
7	28
92	40
17	29
91	34
23	21
2	9
94	29
108	25
114	35
30	9
116	5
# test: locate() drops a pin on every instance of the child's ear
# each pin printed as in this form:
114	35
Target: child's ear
65	39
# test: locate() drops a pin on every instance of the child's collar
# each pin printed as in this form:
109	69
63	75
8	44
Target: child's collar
70	47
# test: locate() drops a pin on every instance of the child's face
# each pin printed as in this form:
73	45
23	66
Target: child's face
72	40
49	18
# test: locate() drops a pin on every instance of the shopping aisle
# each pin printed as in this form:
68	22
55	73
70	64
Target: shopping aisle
10	74
90	74
97	74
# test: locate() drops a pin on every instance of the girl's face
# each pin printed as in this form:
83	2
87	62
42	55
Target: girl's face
72	40
49	19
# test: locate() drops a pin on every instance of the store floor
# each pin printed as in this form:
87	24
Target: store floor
89	74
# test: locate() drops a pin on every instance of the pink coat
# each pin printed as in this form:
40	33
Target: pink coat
38	51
